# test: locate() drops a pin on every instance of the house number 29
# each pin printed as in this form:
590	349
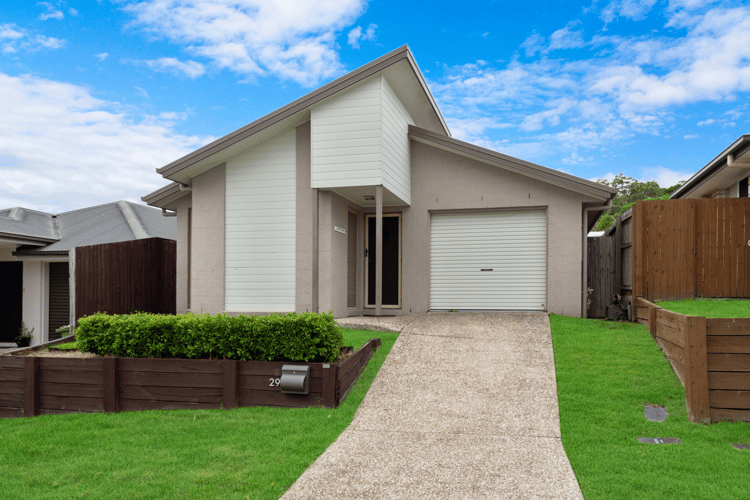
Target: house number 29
274	382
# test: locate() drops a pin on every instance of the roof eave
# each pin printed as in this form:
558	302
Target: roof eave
567	181
31	240
164	195
712	168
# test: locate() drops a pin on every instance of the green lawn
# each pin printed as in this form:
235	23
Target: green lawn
606	371
710	308
222	454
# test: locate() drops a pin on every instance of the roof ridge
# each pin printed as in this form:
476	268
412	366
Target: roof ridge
132	219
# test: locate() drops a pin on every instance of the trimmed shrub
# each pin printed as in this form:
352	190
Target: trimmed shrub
306	337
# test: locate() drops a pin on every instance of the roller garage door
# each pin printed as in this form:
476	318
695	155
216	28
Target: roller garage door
489	260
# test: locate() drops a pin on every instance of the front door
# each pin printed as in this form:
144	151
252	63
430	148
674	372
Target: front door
11	300
391	260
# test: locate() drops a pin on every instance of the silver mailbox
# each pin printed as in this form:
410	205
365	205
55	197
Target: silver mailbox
295	379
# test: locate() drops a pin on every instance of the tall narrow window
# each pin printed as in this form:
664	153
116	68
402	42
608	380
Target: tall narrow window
351	270
743	188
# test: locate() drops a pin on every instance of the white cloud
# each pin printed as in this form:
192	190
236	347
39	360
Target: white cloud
665	177
356	36
14	39
533	44
566	38
630	9
625	87
706	122
291	39
58	139
101	56
141	92
690	136
51	12
9	31
190	69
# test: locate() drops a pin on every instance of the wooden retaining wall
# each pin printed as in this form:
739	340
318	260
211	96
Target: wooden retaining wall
38	385
711	357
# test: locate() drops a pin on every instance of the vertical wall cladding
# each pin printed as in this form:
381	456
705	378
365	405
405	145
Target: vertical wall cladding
347	138
396	151
261	227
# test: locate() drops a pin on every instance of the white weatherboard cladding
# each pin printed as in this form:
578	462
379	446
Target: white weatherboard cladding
360	138
510	245
261	227
346	138
396	151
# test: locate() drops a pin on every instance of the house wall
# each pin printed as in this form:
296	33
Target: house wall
347	138
207	241
261	227
182	207
304	221
396	147
334	212
35	299
445	181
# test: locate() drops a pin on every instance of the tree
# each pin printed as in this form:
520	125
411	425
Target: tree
630	191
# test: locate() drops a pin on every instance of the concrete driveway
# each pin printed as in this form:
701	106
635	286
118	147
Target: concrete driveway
465	406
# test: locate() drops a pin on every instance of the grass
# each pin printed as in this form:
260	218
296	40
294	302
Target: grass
606	371
710	308
245	453
67	346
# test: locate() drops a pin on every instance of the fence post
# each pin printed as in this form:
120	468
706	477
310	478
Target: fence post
31	387
696	370
330	374
229	384
110	387
652	321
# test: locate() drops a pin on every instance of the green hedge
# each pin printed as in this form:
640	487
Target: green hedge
306	337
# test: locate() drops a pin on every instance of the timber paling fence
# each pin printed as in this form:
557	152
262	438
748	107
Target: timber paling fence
672	250
43	385
125	277
710	356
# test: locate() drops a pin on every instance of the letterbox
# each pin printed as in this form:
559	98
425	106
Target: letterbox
295	379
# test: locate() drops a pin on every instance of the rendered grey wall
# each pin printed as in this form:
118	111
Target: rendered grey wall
304	211
181	207
445	181
208	239
333	253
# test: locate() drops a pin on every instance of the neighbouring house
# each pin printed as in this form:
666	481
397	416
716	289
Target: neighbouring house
355	198
726	176
36	256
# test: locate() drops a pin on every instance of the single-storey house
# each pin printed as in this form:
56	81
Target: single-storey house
36	259
355	198
726	176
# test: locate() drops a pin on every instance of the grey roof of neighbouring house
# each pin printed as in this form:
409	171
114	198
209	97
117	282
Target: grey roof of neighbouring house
108	223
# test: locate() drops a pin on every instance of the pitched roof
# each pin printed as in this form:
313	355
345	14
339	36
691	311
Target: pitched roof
28	226
108	223
718	173
398	65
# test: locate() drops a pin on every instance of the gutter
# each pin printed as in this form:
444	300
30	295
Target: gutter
584	273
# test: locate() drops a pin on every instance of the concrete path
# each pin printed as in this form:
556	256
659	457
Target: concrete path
465	406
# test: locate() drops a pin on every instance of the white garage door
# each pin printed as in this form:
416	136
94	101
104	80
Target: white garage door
489	260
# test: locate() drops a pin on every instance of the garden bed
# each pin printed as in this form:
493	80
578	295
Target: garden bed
33	385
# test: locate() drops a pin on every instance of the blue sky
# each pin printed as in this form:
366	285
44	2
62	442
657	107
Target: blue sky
95	95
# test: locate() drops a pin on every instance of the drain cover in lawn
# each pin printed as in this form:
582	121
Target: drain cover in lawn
660	440
741	446
655	413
